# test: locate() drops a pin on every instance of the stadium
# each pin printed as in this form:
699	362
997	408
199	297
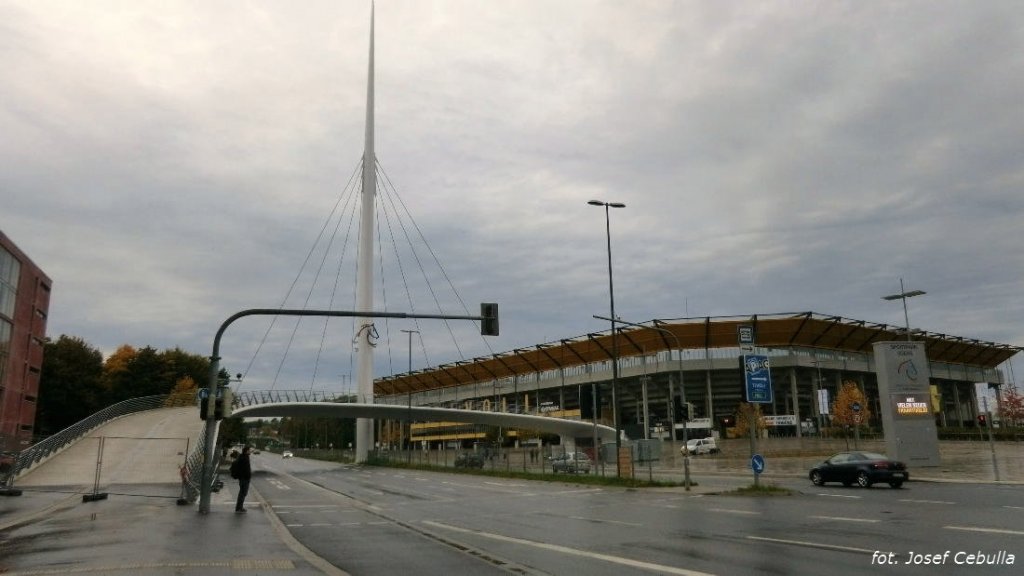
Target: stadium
696	359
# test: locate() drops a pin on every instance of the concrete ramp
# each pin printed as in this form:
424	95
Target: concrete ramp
142	448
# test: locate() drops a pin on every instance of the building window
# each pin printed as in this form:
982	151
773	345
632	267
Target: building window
10	271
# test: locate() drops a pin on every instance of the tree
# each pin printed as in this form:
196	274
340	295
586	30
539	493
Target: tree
747	413
183	393
842	407
69	385
117	374
1011	409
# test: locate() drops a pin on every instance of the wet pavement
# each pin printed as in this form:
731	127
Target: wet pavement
140	529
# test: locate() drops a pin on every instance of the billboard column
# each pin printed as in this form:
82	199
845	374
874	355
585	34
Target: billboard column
905	396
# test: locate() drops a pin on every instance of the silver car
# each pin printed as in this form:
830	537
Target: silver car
571	462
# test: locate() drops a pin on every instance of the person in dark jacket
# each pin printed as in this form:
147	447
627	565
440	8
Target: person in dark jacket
243	471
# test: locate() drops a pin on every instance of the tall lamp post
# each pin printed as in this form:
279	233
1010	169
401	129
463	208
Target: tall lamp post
615	343
682	392
408	457
903	295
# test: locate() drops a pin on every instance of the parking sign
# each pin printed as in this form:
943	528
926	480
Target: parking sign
758	379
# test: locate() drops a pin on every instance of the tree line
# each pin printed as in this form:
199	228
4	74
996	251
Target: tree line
76	381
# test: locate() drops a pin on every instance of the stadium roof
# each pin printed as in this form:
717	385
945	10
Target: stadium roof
801	329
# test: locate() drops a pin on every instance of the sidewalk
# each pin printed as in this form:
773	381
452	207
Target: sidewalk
56	533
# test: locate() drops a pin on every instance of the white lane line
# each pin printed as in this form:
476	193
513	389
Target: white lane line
731	511
276	506
979	529
926	501
811	544
844	519
660	568
1014	507
619	522
840	496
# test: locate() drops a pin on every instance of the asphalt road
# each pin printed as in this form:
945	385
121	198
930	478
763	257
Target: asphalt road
377	520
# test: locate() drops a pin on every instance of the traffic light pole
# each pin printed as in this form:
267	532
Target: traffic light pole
488	319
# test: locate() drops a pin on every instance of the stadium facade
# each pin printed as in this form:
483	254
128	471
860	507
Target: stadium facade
811	356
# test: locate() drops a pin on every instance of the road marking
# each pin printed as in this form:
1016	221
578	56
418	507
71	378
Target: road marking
731	511
927	501
276	506
620	522
839	496
992	530
660	568
278	484
844	519
811	544
1014	507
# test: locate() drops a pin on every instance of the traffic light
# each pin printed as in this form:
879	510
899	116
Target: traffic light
684	411
489	321
204	404
981	420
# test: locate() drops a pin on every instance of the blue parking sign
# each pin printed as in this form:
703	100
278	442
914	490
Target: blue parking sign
757	379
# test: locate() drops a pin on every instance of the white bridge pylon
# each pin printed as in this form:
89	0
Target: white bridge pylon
257	404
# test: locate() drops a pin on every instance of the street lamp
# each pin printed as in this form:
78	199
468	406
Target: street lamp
408	457
615	344
682	392
903	295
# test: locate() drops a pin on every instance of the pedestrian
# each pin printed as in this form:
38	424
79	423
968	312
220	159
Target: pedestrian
241	470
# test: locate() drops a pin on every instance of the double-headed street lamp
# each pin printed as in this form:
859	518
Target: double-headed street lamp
903	295
615	346
682	391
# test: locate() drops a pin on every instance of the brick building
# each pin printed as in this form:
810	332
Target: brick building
24	301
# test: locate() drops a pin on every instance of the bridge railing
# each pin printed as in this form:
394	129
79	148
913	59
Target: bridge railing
257	397
41	450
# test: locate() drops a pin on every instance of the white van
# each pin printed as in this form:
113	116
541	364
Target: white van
700	446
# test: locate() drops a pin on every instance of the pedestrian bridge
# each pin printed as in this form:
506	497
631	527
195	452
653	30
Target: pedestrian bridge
300	403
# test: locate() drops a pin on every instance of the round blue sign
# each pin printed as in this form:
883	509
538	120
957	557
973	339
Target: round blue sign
757	463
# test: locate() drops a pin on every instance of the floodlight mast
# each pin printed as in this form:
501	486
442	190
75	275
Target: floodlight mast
682	392
903	295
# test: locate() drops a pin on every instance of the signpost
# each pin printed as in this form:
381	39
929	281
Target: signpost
757	384
757	464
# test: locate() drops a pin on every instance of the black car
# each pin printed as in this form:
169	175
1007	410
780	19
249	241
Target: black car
862	468
469	460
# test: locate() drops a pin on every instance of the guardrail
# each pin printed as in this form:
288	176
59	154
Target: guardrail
45	448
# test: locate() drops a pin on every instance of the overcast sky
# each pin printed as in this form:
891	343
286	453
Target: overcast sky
170	163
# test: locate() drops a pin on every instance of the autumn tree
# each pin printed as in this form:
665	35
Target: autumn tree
183	393
1011	408
747	413
842	407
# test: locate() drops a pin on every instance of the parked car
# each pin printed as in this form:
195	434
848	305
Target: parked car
571	462
700	446
862	468
469	460
287	454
